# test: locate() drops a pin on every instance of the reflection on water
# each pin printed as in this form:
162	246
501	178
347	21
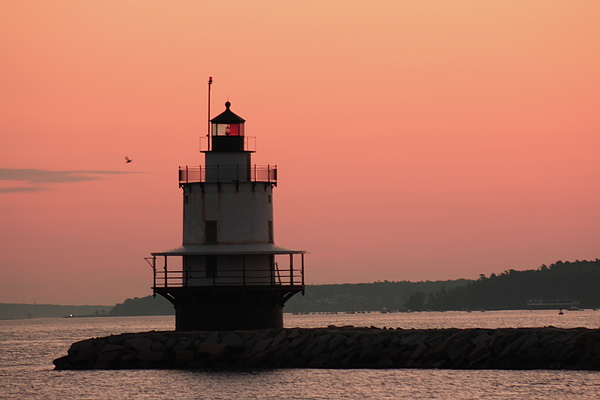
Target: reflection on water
27	348
315	384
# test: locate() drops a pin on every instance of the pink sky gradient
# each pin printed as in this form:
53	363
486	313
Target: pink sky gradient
415	140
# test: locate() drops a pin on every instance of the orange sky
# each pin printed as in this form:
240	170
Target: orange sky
415	140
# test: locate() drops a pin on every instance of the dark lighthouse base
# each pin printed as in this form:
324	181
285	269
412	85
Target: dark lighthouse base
227	308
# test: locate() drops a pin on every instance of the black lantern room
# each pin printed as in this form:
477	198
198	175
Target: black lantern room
227	131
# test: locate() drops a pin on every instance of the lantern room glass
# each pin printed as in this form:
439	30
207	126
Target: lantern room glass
228	130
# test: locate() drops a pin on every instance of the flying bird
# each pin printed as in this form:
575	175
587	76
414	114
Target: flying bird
127	160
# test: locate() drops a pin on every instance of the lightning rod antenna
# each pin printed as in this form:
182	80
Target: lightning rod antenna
210	81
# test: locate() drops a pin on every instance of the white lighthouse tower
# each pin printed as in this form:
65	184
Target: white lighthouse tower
230	274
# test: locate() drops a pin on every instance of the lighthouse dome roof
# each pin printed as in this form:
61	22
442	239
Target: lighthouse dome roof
228	117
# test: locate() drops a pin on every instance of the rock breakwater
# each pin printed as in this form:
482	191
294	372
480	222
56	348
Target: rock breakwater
342	347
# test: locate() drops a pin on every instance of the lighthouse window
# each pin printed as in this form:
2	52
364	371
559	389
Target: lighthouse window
271	238
211	232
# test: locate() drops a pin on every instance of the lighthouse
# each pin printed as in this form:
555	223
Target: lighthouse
228	274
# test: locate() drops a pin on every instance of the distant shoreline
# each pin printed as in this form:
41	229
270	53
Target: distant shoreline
12	311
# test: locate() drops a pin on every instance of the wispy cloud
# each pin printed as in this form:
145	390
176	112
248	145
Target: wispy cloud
33	178
18	286
22	189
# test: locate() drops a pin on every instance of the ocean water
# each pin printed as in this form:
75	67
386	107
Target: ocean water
27	348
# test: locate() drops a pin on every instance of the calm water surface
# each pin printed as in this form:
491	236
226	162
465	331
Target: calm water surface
27	348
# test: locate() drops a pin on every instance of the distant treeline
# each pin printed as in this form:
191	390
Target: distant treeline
131	307
24	311
318	298
577	281
511	290
148	305
375	296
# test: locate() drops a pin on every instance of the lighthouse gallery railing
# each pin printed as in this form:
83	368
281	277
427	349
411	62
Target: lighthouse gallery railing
228	173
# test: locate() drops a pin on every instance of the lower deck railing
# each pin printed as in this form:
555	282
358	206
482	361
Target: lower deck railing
177	277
